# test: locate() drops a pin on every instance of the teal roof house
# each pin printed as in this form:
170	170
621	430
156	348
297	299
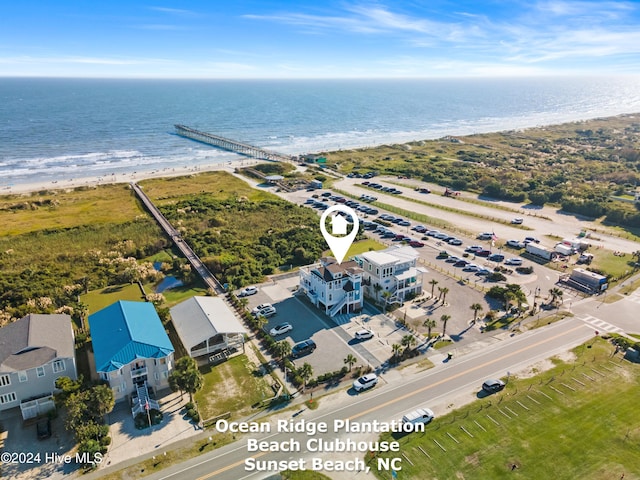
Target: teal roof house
132	351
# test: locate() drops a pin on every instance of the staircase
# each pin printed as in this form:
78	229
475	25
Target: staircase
338	306
142	400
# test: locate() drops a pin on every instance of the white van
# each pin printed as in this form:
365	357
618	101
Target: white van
419	416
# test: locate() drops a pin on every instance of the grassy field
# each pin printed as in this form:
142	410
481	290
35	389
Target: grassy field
65	209
577	420
98	299
360	247
303	475
221	185
233	386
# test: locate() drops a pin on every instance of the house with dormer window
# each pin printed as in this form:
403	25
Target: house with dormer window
333	287
34	352
132	351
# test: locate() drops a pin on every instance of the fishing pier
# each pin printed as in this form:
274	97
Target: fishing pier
231	145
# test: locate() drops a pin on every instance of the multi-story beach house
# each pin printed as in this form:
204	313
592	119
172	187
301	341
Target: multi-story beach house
333	287
392	270
132	351
34	352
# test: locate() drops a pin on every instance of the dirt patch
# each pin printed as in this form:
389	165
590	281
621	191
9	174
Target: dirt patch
473	459
545	365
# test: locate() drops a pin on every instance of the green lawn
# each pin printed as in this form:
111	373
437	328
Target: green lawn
360	247
232	386
578	420
99	299
303	475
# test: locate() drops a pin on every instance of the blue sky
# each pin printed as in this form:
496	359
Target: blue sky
313	39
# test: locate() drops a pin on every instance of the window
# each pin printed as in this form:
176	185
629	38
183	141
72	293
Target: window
40	371
22	376
7	397
104	376
156	376
165	374
5	380
58	366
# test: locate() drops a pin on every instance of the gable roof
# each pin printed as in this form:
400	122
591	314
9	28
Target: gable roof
35	340
125	331
199	318
328	271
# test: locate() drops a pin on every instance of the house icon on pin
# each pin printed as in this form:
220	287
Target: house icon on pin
338	225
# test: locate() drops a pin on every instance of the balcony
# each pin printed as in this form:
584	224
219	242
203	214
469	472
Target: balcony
138	372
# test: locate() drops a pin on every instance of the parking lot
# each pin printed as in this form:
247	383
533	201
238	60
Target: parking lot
334	342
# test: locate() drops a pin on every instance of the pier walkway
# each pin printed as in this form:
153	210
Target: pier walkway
209	279
231	145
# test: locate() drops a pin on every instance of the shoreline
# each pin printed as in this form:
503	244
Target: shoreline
29	188
123	178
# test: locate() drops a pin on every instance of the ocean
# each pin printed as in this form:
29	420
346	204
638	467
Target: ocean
54	129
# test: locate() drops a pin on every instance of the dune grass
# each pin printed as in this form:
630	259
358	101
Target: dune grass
577	420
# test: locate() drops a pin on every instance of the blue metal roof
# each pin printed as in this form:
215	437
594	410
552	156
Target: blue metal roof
125	331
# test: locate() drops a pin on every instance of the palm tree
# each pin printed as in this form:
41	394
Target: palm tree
282	349
444	291
433	283
396	347
444	319
377	287
305	372
261	321
508	298
476	307
386	295
350	360
408	341
555	294
429	324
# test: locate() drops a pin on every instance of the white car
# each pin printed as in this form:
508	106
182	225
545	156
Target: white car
363	334
365	382
513	261
247	291
421	415
266	312
517	221
281	329
515	244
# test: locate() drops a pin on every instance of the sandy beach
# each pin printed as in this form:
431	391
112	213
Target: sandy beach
124	177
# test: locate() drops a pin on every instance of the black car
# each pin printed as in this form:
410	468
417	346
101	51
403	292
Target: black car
493	386
303	348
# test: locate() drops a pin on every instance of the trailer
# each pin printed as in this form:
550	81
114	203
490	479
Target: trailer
564	249
540	251
589	280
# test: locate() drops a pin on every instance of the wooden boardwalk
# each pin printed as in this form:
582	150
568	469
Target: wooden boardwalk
209	279
231	145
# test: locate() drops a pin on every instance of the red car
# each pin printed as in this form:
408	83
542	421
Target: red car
416	243
483	253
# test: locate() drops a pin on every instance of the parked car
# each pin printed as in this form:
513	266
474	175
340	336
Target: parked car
517	221
483	272
247	291
404	223
303	348
309	201
363	334
496	257
451	259
530	240
461	263
416	244
515	244
483	253
269	311
474	249
281	329
43	428
421	415
454	241
493	386
419	228
513	261
471	268
485	236
432	233
365	382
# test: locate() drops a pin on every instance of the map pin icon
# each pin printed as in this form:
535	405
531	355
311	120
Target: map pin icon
339	245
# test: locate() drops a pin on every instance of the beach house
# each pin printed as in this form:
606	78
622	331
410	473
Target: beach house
392	270
332	287
34	352
132	351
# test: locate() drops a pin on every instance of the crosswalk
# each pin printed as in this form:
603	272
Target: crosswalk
599	324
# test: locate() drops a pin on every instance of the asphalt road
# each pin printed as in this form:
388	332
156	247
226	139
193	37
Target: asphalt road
389	401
